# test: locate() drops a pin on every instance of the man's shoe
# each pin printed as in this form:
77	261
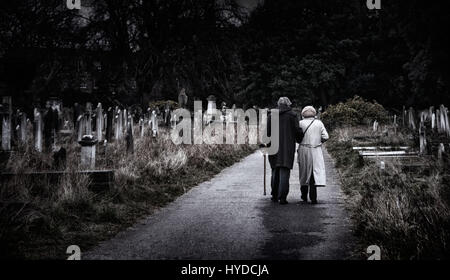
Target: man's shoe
274	199
283	202
304	199
313	201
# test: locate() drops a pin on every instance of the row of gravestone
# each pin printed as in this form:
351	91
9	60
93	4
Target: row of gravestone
432	125
90	126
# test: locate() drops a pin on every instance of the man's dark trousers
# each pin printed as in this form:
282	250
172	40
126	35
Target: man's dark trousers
280	183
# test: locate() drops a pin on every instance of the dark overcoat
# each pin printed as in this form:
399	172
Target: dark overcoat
289	134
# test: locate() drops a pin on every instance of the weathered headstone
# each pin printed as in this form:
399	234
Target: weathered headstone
88	144
99	122
129	137
5	116
395	124
154	124
422	138
60	159
125	120
182	98
210	109
37	130
141	127
411	120
433	121
23	128
167	116
441	150
88	115
109	124
81	127
50	124
375	126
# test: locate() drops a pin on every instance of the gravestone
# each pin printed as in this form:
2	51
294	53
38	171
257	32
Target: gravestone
76	113
37	130
422	138
441	151
411	120
109	124
23	127
182	98
141	127
125	120
167	115
5	116
120	125
395	124
154	124
88	144
433	121
50	128
129	137
99	122
210	109
375	126
81	126
88	115
60	159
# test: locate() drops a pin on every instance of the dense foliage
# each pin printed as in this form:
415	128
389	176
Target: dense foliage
353	112
316	52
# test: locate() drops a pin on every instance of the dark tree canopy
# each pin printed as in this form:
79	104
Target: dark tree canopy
313	51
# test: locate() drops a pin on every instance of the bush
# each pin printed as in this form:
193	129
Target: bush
354	111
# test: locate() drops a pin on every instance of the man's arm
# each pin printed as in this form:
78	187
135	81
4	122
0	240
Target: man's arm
298	132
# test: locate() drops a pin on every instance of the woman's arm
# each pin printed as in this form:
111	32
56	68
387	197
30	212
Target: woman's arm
324	133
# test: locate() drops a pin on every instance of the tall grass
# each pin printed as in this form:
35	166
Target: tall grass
406	214
39	219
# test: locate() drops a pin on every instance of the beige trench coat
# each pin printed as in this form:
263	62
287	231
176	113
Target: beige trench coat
309	153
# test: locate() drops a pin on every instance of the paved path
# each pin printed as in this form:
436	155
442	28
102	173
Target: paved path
229	218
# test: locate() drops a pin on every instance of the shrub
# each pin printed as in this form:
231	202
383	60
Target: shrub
354	111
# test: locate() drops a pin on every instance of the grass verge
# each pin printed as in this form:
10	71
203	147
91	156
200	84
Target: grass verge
406	214
39	220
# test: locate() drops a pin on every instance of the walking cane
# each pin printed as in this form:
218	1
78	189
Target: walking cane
264	173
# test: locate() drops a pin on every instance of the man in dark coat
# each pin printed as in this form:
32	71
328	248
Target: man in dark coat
283	161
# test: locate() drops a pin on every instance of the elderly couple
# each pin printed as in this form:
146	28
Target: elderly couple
310	133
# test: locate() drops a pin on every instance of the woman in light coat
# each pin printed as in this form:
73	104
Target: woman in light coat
310	155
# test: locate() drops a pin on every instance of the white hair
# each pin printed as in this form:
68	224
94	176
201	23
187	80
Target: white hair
309	112
284	101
